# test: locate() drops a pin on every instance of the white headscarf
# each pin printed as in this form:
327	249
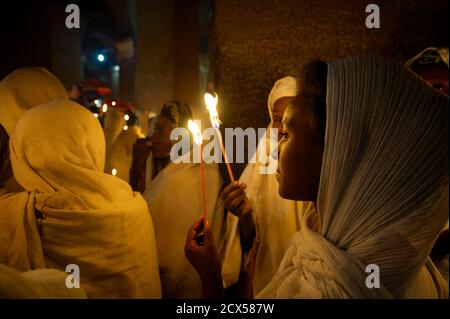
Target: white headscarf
383	194
284	87
24	89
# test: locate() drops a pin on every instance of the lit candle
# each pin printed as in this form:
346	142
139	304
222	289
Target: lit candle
211	106
199	140
105	108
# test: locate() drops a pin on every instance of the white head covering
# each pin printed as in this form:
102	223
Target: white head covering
383	194
284	87
24	89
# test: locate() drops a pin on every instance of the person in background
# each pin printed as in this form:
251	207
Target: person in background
261	217
173	193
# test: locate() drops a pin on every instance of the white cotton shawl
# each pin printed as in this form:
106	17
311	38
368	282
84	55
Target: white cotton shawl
89	218
383	194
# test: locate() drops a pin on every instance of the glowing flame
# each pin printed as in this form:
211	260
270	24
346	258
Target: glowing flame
98	102
126	117
195	132
211	106
125	127
113	103
114	172
105	108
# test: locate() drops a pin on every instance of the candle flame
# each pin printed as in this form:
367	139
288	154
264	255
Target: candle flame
105	108
211	106
195	132
114	172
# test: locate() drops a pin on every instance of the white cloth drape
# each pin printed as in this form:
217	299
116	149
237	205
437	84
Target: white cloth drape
383	194
175	202
41	283
89	218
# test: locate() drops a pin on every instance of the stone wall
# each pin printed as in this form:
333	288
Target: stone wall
259	41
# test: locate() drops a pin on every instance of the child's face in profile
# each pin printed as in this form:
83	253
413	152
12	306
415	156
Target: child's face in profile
300	156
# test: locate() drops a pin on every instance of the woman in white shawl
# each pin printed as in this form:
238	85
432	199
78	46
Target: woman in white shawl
73	213
255	200
377	168
173	194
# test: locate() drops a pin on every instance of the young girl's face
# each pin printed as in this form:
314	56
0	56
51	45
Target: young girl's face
300	156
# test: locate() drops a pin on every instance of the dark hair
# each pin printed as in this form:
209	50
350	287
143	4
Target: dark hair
311	95
177	112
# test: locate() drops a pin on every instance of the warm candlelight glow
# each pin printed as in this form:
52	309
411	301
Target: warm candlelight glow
105	108
125	127
114	172
96	115
126	117
195	132
113	103
211	105
198	141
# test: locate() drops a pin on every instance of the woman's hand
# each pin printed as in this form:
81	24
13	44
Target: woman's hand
141	151
235	199
200	249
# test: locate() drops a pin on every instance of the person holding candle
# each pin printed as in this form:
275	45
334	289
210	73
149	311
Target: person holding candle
367	142
261	218
174	195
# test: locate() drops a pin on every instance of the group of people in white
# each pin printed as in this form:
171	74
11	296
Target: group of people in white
362	179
